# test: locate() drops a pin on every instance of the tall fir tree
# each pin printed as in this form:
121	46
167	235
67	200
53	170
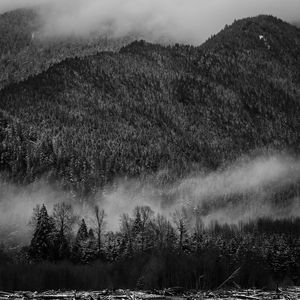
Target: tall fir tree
78	250
41	244
90	249
61	246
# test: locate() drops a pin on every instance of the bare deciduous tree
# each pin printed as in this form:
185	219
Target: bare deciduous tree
145	213
64	218
180	218
99	225
160	225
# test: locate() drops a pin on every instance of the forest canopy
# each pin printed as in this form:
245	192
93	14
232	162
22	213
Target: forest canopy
87	120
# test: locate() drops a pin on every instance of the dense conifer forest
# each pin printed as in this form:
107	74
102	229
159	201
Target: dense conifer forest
151	252
21	41
81	116
87	120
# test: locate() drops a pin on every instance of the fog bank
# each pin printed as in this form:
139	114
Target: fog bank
242	191
190	21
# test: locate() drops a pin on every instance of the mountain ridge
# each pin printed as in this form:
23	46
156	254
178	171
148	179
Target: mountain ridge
21	40
151	107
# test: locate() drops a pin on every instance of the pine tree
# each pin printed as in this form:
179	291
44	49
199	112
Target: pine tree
137	229
79	244
91	234
141	230
41	244
127	235
61	246
170	237
35	213
82	233
89	248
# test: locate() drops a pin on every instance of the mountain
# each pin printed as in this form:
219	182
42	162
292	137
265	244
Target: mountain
16	29
24	51
87	120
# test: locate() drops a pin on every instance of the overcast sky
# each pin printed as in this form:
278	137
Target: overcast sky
180	20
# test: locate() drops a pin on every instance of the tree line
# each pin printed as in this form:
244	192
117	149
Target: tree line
150	251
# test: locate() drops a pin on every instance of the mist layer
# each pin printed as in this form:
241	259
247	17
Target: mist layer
189	21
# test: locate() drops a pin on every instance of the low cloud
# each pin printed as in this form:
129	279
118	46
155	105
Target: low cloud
244	190
190	21
241	191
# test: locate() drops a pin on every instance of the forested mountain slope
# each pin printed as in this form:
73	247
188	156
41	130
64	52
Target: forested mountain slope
16	29
88	120
25	51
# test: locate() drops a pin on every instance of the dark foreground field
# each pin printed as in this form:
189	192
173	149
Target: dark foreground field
168	294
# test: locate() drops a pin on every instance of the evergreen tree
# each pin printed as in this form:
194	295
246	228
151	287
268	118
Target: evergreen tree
90	248
127	235
82	233
41	244
137	229
141	229
137	224
79	244
35	214
170	237
91	234
61	246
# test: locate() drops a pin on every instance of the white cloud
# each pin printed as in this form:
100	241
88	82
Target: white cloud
179	20
256	178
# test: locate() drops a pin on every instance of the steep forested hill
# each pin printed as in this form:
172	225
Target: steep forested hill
16	29
88	120
25	51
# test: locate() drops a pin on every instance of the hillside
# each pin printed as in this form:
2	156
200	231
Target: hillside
85	121
24	51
